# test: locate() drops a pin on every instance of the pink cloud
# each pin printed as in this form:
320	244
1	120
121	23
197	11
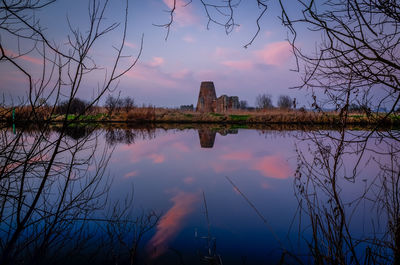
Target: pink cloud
189	39
130	45
269	166
239	64
131	174
276	53
152	73
153	150
156	61
157	158
273	167
26	58
184	14
171	223
32	161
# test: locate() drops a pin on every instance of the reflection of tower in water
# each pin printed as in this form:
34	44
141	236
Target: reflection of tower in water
207	136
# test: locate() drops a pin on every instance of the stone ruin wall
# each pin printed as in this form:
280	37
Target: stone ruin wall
208	101
207	97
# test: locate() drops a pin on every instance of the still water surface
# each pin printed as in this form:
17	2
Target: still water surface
200	195
170	173
250	183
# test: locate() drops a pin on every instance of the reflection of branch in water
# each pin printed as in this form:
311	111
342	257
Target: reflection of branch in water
211	257
256	210
128	135
40	216
320	180
388	201
124	231
52	179
285	253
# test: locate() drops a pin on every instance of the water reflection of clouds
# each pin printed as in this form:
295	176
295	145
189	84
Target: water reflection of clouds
181	147
157	158
179	150
172	222
189	180
187	167
153	150
131	174
271	166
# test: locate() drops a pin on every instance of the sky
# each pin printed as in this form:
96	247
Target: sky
169	71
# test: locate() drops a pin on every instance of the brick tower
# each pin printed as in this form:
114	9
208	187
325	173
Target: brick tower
207	97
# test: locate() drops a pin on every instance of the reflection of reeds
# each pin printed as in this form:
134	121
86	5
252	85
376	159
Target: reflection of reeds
211	257
319	182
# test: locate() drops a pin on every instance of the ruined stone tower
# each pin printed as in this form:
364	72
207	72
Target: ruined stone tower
207	97
208	101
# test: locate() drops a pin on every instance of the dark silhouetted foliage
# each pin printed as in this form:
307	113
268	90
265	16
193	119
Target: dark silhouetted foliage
187	107
113	104
73	106
243	104
285	102
264	101
128	103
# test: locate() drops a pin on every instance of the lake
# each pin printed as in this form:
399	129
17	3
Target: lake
209	194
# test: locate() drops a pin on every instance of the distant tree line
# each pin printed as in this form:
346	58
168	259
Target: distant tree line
80	106
264	101
187	107
119	104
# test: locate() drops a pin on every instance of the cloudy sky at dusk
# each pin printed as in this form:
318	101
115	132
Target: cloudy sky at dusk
169	72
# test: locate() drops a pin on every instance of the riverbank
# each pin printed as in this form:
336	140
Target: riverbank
275	116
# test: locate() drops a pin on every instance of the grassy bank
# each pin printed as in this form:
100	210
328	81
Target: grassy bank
162	115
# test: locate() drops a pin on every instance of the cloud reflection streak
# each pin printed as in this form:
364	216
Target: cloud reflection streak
172	222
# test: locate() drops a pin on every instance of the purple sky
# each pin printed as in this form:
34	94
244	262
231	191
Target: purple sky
169	72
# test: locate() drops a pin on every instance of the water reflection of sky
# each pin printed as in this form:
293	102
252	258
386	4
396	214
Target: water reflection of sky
170	172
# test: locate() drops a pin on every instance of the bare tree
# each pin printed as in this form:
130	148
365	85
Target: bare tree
220	12
359	43
357	52
285	102
50	183
264	101
112	104
128	103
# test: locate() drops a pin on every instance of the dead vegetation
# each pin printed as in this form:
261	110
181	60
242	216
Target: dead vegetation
151	114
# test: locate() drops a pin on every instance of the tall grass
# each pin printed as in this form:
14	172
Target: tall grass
153	114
